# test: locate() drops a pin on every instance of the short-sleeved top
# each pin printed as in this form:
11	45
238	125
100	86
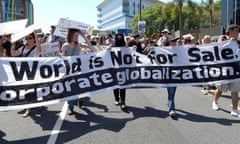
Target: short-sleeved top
72	51
25	52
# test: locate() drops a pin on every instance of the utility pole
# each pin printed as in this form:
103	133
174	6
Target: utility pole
140	10
235	10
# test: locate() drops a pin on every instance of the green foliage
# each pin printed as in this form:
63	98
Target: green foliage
194	15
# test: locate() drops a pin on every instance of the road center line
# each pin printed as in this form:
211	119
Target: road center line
57	127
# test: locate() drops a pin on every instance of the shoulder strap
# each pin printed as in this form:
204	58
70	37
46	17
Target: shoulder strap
28	53
21	55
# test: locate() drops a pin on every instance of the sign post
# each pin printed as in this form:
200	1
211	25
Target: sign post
141	26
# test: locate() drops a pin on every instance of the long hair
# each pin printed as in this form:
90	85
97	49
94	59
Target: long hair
120	42
70	34
33	36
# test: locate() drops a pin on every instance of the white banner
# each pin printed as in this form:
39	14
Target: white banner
64	24
31	82
12	27
27	31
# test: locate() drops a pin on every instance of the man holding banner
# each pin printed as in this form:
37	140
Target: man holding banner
233	33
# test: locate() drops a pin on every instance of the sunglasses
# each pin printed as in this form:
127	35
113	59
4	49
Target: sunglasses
29	38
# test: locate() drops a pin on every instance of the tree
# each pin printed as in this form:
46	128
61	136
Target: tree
162	15
191	13
210	7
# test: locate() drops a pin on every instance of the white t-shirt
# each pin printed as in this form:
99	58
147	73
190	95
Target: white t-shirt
34	53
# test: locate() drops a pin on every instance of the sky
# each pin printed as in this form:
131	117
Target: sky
79	10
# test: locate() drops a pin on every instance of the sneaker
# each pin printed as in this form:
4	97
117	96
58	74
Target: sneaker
206	92
172	113
117	103
123	106
235	113
71	112
80	104
215	106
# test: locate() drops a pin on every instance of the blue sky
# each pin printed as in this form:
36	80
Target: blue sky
79	10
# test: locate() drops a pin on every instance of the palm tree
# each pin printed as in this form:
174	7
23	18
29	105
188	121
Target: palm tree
209	7
180	3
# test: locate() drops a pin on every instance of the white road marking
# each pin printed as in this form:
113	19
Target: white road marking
57	127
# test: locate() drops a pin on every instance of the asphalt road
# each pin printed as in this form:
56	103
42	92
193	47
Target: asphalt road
145	122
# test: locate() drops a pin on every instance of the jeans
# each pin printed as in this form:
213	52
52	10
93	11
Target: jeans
171	95
71	104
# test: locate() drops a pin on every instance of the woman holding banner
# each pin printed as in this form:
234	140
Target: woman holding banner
30	49
72	48
120	94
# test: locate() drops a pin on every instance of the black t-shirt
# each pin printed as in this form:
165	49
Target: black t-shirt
137	44
7	45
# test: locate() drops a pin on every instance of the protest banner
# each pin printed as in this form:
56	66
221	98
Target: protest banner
32	82
50	49
27	31
64	24
12	27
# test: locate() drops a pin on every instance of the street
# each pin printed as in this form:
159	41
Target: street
146	121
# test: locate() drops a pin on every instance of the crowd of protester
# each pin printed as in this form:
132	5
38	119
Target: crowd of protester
30	46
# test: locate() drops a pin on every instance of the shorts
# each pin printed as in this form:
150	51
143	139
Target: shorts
233	87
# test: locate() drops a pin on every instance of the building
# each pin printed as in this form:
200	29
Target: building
16	9
230	12
117	15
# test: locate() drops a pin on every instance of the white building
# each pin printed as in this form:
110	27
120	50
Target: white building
117	15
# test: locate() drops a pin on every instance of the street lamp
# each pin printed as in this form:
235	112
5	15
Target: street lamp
140	10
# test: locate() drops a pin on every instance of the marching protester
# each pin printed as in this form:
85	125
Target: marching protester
188	39
1	47
53	38
120	93
128	39
206	39
136	43
222	38
73	48
30	49
155	37
164	38
7	45
102	40
233	34
172	41
110	40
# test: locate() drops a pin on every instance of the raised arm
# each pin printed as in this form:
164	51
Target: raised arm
86	40
38	42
